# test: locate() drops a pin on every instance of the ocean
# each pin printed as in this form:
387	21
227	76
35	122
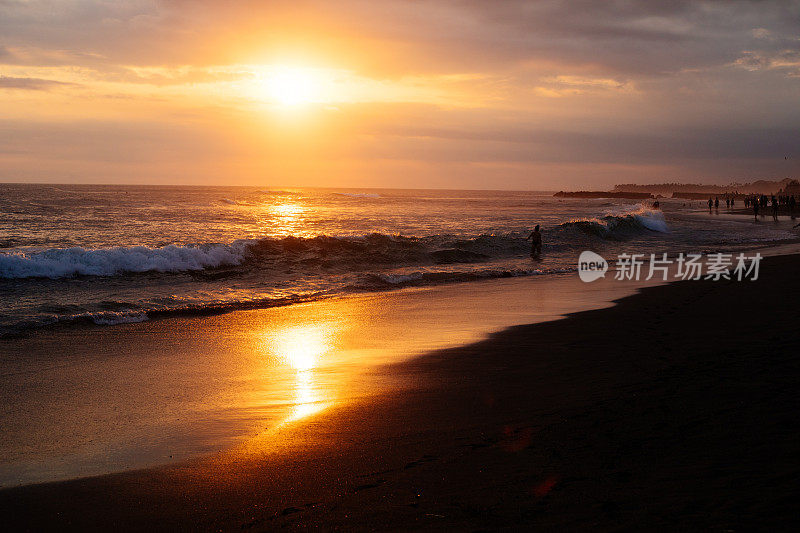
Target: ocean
87	254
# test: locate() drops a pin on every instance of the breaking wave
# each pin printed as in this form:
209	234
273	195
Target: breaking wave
70	262
621	225
322	251
366	252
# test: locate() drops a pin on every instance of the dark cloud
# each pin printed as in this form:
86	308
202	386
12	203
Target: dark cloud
619	36
564	146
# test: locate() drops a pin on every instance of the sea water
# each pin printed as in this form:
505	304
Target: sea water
76	254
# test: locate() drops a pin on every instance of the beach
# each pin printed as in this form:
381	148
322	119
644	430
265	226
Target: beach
399	266
674	409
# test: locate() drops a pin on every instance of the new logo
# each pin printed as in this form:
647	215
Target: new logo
591	266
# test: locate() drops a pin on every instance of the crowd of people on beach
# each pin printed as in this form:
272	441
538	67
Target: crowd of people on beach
759	203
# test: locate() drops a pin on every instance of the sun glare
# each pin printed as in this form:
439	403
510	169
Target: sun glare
291	86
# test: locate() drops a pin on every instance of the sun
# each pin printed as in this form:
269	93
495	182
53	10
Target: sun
291	86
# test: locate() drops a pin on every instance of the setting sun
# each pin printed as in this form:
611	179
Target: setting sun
291	86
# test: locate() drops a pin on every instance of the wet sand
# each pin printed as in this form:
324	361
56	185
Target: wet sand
783	211
675	409
79	402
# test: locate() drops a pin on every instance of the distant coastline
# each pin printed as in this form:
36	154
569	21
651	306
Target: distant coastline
604	194
695	190
689	191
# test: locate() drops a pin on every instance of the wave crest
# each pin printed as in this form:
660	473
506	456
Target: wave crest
321	251
621	225
69	262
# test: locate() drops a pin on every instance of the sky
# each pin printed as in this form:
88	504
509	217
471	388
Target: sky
502	94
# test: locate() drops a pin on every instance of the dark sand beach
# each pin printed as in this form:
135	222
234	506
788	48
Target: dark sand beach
399	266
674	410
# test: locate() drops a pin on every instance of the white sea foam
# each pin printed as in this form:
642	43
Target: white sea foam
110	319
68	262
651	219
396	279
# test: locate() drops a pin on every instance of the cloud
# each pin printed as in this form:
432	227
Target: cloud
31	84
761	33
617	37
539	145
519	84
786	61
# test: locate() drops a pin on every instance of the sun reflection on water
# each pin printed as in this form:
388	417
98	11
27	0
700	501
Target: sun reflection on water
283	217
307	399
301	347
287	209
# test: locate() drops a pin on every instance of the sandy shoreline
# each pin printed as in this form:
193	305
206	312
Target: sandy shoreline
675	409
90	401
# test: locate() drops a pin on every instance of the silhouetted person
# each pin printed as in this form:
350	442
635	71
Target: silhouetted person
755	210
716	202
728	203
774	208
710	204
536	241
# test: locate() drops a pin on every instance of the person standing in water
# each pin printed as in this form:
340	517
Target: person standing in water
536	241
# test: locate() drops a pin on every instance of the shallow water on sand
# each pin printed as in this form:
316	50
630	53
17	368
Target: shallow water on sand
98	400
